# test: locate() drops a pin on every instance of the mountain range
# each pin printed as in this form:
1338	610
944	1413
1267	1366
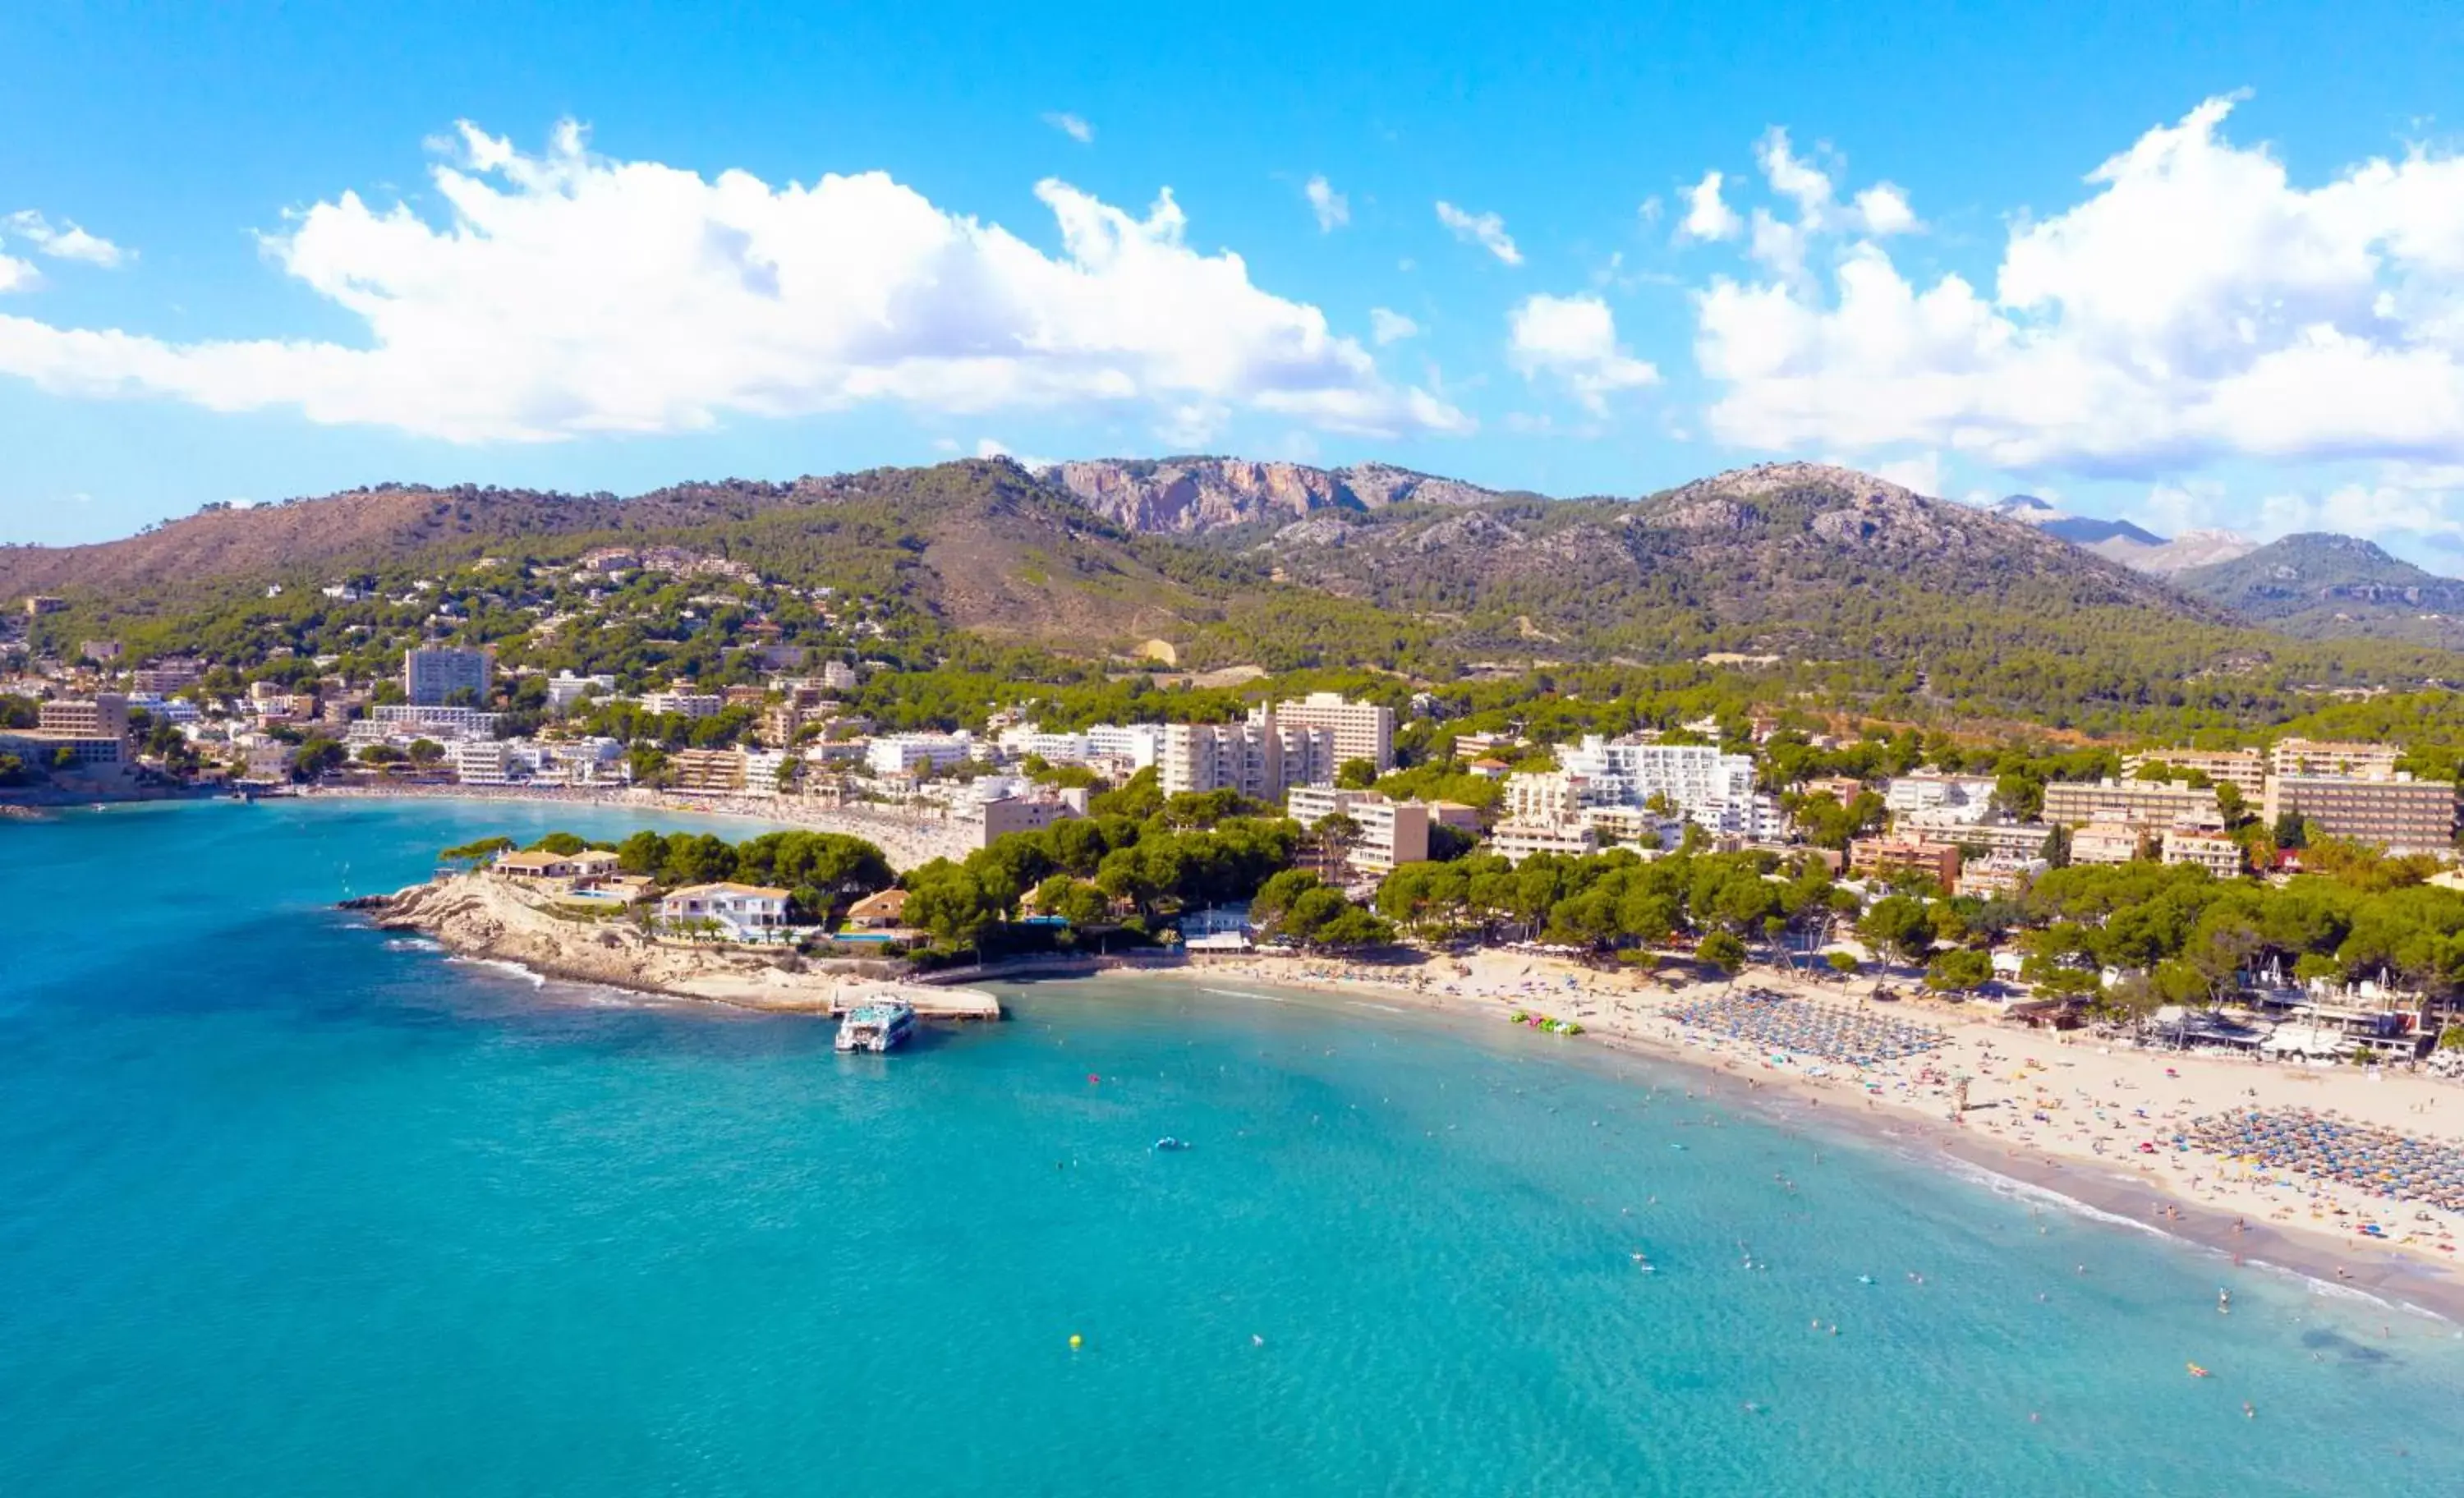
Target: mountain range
1231	561
2131	545
2312	584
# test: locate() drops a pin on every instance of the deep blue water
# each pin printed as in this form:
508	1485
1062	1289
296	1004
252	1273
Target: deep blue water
290	1209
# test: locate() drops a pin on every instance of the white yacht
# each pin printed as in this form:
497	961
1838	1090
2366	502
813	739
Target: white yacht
880	1025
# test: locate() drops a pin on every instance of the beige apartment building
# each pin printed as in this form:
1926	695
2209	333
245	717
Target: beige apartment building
1392	833
2398	813
168	675
1361	730
707	770
2007	839
1999	875
1481	746
101	716
92	733
2318	757
2148	805
1517	841
1870	857
2213	851
1004	815
2243	769
2105	842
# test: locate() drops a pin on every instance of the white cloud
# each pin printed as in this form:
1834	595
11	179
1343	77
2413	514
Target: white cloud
1069	124
1387	326
1484	229
1193	424
2379	511
1575	340
1792	178
1922	473
16	275
2196	305
1882	211
1333	211
1297	446
1706	216
1779	245
65	241
993	447
2179	505
2401	505
568	293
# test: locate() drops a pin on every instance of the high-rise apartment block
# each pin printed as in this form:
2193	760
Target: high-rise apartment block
432	676
1260	757
2397	813
1362	730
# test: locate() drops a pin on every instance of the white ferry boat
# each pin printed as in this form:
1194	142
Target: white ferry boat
881	1025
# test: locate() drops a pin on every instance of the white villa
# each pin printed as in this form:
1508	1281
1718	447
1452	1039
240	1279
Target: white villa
742	912
588	865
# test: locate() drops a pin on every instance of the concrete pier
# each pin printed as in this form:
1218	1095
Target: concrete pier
930	1001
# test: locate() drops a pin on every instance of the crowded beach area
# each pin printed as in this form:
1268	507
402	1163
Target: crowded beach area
2351	1175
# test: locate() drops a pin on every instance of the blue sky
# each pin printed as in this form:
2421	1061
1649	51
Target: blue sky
318	246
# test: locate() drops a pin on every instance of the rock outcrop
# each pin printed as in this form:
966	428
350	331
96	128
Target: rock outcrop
479	916
1189	496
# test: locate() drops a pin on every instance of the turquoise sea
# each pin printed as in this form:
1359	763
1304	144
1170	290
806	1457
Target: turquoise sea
287	1207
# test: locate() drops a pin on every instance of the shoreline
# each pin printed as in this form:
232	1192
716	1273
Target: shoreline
2399	1275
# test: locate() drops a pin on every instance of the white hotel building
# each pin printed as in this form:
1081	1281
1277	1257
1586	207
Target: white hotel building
899	753
1714	790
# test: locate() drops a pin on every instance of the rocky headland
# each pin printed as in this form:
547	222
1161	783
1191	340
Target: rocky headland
483	916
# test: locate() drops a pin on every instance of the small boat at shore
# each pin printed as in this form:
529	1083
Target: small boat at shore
880	1027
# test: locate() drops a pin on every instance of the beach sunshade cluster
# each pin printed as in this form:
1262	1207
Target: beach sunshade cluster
1801	1027
2380	1161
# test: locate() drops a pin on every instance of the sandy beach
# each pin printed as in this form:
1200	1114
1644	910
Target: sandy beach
2065	1114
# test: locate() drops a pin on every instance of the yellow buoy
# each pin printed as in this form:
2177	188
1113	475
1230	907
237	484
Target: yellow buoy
1076	1342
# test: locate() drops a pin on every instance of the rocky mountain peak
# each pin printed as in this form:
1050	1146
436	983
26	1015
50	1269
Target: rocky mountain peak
1762	479
1187	495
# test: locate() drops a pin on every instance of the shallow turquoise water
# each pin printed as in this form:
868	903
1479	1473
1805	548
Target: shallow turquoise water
292	1209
